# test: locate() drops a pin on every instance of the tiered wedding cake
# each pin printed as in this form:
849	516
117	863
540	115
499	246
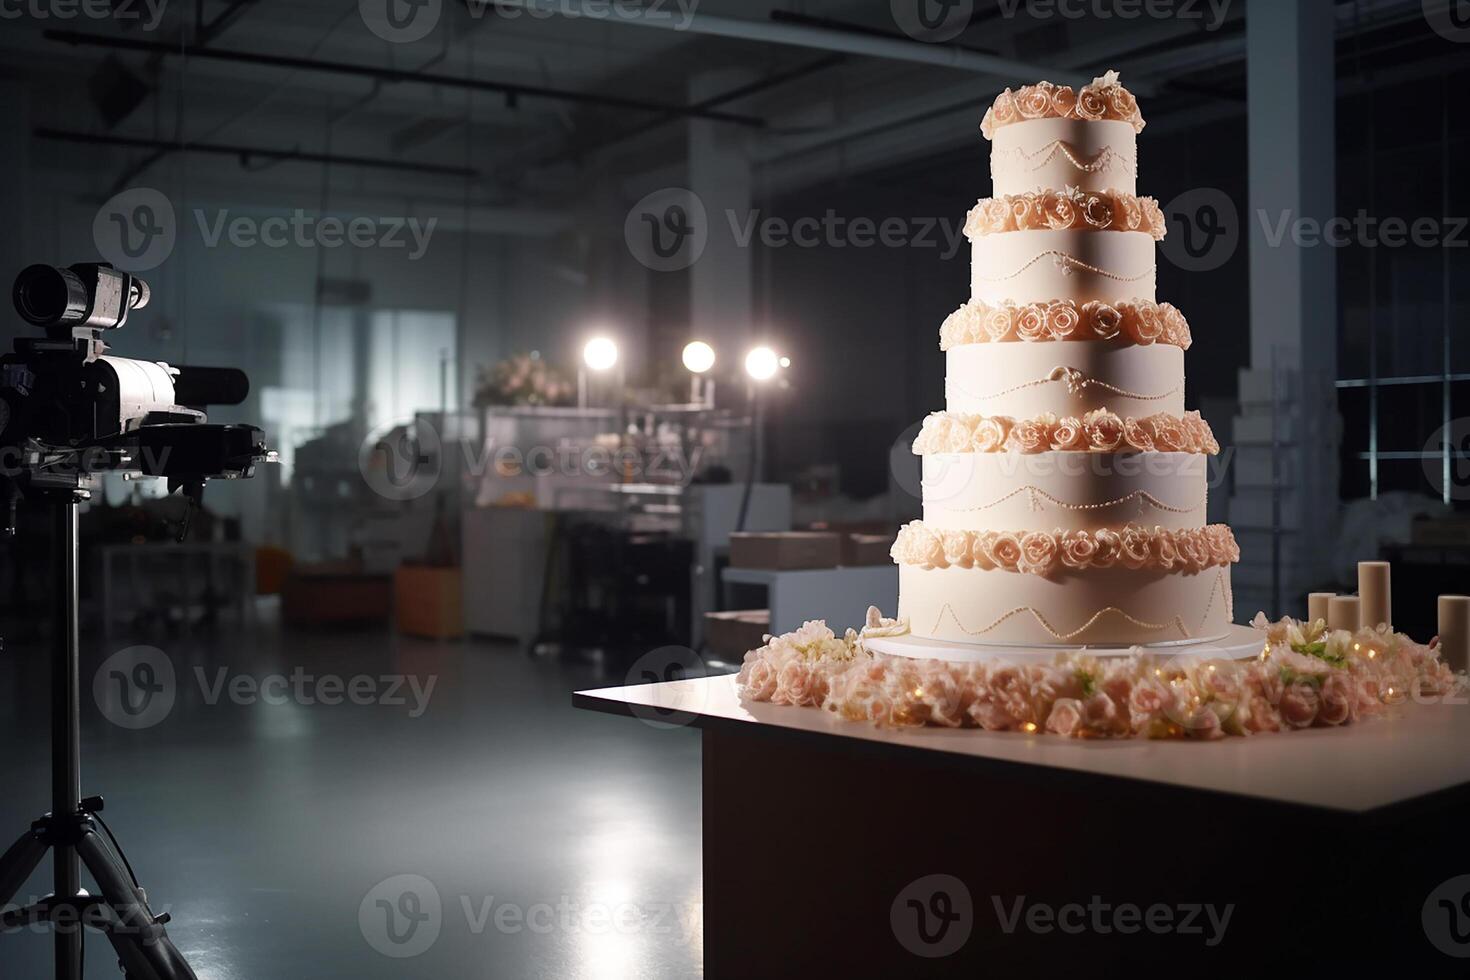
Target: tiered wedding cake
1064	486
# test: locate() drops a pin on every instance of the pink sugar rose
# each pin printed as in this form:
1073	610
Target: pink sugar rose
1062	320
991	716
1109	547
1038	553
800	684
1203	724
990	433
1193	551
1104	430
1097	211
1025	211
1101	715
956	545
1146	703
1338	700
1125	106
1147	326
981	548
1068	435
1154	217
1104	320
1299	704
1058	210
1168	433
1064	101
1118	686
1065	717
1137	436
1134	547
1031	435
1079	548
1261	715
1031	322
1091	104
999	323
1165	555
1004	550
995	216
1034	101
1005	107
757	677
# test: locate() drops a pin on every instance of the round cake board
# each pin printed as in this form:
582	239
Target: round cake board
1237	643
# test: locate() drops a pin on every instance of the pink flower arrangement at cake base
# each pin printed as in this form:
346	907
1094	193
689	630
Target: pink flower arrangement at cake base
1305	677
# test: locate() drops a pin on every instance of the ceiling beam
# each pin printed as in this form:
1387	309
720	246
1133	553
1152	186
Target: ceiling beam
511	90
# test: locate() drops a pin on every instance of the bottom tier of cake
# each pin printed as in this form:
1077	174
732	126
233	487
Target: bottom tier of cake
1096	607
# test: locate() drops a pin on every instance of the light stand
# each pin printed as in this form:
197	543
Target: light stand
69	831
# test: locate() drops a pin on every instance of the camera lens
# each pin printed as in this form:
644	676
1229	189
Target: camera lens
47	296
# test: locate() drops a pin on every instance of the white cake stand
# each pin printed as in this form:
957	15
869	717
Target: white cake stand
1237	643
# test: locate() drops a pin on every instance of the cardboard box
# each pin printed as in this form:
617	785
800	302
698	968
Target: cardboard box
428	601
867	549
785	550
730	635
329	595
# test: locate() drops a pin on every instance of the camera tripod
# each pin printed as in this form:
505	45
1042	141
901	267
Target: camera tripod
69	831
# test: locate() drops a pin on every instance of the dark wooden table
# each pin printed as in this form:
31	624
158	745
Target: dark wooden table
835	849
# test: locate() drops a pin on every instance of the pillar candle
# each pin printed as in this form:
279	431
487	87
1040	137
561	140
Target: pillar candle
1454	630
1317	605
1374	593
1342	612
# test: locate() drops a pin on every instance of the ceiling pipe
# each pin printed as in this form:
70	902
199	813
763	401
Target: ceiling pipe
245	154
511	90
805	36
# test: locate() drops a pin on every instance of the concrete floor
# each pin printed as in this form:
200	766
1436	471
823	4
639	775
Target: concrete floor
543	842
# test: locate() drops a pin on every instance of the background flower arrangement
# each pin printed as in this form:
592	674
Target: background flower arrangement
1305	676
523	379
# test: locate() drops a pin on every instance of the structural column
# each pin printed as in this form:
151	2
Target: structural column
720	294
1285	504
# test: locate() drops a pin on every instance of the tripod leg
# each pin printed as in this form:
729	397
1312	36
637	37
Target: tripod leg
141	943
18	864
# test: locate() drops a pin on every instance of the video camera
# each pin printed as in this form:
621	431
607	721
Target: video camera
69	411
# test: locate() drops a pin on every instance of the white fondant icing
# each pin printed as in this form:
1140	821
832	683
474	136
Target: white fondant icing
1071	491
1069	377
1104	607
1040	266
1094	155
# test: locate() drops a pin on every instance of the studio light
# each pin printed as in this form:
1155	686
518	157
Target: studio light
600	354
762	364
699	357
